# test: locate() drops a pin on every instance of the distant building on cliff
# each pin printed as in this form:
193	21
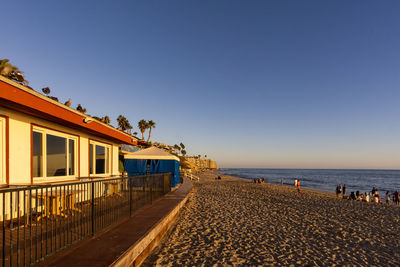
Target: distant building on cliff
200	163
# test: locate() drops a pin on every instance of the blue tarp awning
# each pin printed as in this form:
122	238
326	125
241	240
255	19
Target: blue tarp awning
152	160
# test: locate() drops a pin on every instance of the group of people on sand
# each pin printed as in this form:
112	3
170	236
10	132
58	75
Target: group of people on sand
340	190
395	197
297	185
372	196
258	181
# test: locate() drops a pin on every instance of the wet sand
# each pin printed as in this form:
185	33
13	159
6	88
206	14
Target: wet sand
236	222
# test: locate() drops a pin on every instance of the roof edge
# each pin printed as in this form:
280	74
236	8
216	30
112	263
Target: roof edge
124	137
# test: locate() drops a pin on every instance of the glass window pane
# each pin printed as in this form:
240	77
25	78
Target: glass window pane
37	154
71	157
56	155
107	161
91	159
100	159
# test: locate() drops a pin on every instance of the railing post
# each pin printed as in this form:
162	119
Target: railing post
92	207
164	183
4	229
169	177
144	186
130	196
151	188
11	228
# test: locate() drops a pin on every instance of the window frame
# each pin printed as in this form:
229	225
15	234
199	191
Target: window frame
4	139
108	157
68	136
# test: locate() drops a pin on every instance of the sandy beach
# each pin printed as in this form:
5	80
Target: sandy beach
236	222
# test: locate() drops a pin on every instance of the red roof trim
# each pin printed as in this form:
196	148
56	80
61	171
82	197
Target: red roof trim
20	100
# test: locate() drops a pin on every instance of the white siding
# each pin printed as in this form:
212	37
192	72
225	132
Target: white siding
115	164
20	146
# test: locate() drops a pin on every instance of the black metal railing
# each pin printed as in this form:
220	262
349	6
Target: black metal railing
39	221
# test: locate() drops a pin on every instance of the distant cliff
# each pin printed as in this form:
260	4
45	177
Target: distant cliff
197	163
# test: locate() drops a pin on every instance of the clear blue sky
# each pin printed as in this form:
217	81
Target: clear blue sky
301	84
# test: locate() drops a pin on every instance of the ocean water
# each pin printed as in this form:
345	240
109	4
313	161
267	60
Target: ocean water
325	180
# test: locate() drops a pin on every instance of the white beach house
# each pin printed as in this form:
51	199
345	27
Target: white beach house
44	141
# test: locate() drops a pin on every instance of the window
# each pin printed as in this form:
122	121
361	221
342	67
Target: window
56	155
91	159
3	145
53	153
71	157
37	154
99	158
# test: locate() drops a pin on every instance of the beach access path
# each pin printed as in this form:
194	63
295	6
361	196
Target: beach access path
236	222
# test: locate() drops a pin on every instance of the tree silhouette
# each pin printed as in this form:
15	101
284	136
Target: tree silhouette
106	120
177	148
142	125
123	123
150	125
46	90
182	145
12	72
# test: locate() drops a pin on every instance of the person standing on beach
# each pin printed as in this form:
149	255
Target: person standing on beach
295	182
396	197
387	197
373	191
344	190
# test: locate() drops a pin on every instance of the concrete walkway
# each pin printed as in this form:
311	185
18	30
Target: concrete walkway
130	240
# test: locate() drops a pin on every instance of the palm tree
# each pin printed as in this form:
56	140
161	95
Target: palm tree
68	103
182	145
177	148
150	125
128	127
105	119
6	68
78	108
142	125
120	121
46	90
12	72
123	123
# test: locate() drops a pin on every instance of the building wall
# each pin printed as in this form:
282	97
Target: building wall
202	163
213	165
20	147
115	161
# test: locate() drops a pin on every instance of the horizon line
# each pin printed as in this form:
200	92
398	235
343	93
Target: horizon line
373	169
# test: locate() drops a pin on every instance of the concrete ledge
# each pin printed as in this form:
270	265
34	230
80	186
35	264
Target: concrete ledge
136	254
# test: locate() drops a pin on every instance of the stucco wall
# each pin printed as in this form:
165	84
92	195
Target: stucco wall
20	146
115	152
